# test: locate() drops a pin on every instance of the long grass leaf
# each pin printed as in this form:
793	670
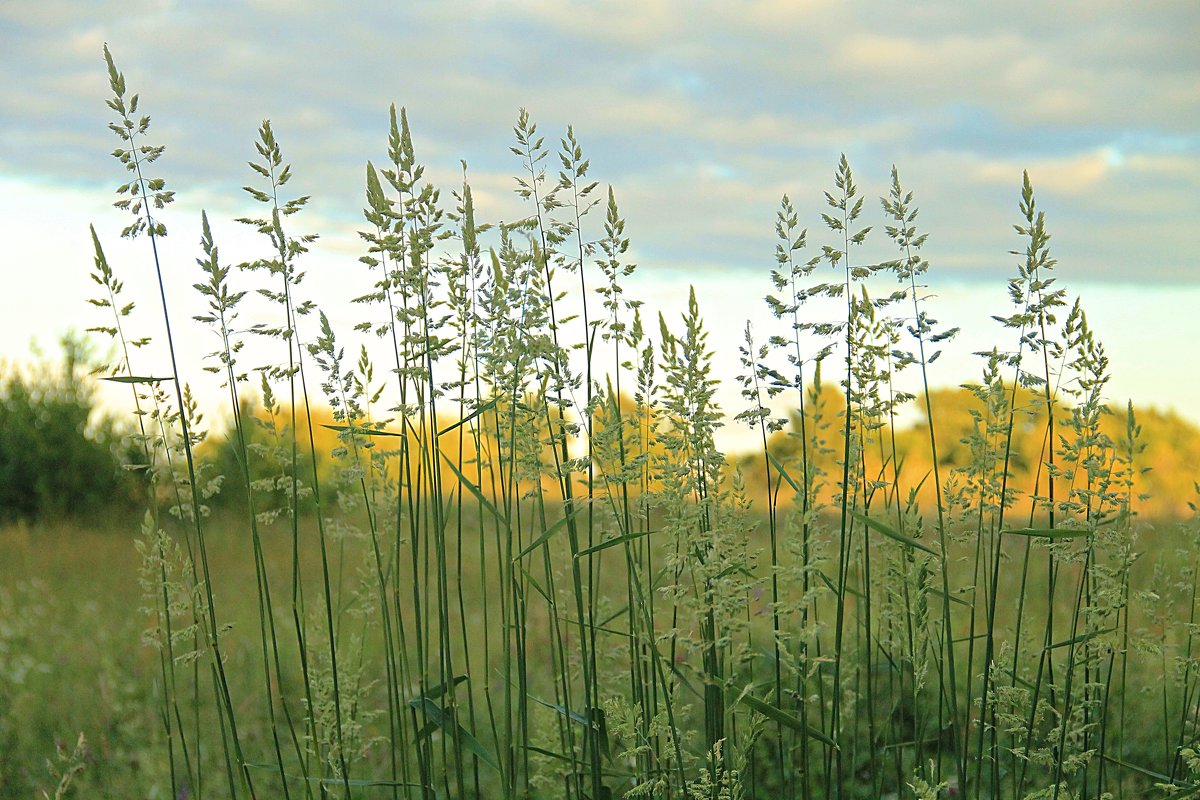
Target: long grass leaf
473	489
613	542
1080	639
1050	533
437	716
783	473
549	532
483	409
1149	773
784	718
881	527
360	431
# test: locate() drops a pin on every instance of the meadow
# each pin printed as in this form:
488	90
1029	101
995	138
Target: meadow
495	552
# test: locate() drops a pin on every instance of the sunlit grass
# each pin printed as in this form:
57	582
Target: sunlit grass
517	573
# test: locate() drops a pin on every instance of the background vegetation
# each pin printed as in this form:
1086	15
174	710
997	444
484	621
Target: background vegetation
58	454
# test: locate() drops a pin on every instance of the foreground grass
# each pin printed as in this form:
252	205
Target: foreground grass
526	569
74	660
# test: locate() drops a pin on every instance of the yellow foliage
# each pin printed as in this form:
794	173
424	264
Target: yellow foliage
1166	469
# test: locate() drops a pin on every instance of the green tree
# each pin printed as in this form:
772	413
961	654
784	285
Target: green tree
57	456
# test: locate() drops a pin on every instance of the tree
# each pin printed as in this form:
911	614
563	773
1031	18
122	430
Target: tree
57	455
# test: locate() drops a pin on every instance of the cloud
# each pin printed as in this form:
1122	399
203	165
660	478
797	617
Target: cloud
701	114
1073	175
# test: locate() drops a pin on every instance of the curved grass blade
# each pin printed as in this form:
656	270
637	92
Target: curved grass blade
950	597
439	690
1050	533
1080	639
783	473
360	431
1158	776
553	529
890	532
613	542
784	718
437	716
473	489
483	409
574	716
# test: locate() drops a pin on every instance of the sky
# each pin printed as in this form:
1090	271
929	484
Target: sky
699	114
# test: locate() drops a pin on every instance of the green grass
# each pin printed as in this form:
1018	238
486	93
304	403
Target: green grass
521	574
74	659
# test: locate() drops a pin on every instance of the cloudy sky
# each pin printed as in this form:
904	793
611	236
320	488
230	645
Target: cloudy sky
700	114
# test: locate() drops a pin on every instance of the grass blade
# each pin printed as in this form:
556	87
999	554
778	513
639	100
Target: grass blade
360	431
890	532
613	542
1050	533
483	409
784	718
437	716
549	532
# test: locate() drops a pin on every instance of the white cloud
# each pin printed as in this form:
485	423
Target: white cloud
700	114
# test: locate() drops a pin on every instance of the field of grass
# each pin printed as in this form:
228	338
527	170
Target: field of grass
73	656
524	569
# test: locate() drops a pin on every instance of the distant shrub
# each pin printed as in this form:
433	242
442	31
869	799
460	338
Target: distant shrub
57	456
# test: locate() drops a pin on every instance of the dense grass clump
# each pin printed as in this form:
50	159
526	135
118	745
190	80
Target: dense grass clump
528	570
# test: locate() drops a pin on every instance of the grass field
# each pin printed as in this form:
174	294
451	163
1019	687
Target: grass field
73	657
497	553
